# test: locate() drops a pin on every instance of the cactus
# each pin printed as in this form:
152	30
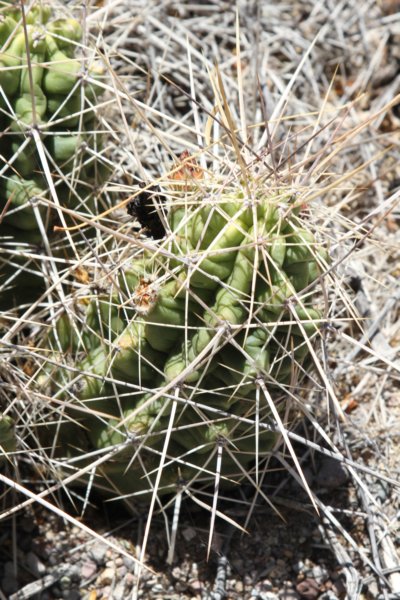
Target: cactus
48	123
7	436
172	357
184	340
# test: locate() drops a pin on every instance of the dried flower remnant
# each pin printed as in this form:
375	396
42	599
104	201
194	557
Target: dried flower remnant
145	209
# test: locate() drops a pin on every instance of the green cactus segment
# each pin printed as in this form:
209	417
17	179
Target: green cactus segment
67	34
134	359
7	436
10	65
93	368
20	195
167	309
46	86
225	311
64	147
7	26
62	72
48	98
69	110
229	307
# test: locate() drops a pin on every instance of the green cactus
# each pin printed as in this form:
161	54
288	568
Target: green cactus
43	95
7	436
21	192
217	307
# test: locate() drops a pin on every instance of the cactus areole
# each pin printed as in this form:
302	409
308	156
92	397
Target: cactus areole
171	372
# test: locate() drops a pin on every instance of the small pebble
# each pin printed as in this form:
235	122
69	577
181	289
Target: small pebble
308	589
267	596
239	587
50	535
106	577
115	562
331	474
380	490
329	595
98	553
65	582
373	589
265	585
129	563
119	592
53	559
180	587
34	565
196	586
74	572
88	569
106	594
121	572
319	574
288	593
189	533
130	579
299	567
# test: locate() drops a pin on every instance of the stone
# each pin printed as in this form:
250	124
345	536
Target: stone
119	592
308	589
88	569
328	595
288	592
35	565
319	574
129	563
98	553
65	582
331	474
189	533
106	577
